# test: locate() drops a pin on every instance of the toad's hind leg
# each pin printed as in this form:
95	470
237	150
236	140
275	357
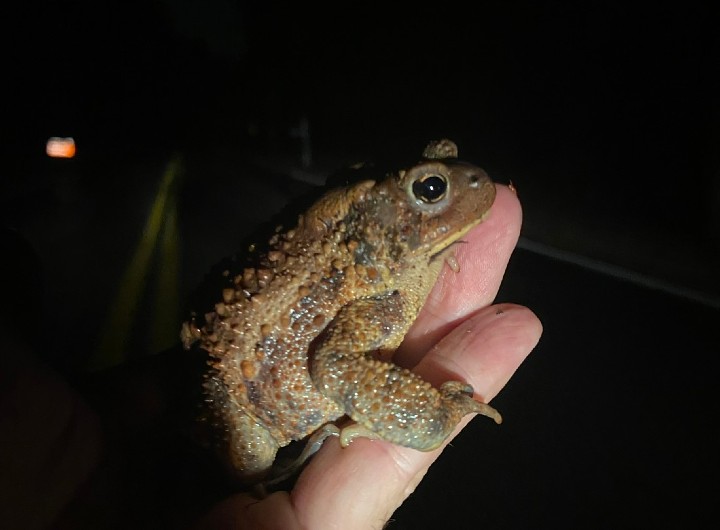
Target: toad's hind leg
242	442
392	402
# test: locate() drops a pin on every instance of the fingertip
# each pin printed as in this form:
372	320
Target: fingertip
507	208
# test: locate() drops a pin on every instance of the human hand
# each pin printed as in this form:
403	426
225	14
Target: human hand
55	450
459	335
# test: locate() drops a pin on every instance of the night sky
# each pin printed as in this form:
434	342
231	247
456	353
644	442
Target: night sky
581	100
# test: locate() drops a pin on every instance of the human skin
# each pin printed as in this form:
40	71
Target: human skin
50	452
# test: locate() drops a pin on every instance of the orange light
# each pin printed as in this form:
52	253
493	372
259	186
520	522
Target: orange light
60	147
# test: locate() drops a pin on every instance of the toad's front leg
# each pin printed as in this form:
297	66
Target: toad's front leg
392	402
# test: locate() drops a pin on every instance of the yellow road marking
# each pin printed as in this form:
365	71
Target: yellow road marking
118	327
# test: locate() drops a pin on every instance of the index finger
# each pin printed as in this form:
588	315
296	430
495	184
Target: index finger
483	257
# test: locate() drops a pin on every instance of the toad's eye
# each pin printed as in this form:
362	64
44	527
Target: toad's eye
430	187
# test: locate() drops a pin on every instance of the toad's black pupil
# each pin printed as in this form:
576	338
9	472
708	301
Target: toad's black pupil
430	189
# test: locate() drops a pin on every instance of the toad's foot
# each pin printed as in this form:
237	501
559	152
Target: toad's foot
456	396
313	445
462	393
355	430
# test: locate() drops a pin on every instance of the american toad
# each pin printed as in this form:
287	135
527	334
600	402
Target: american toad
297	340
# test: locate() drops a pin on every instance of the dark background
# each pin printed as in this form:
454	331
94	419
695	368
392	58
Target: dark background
604	115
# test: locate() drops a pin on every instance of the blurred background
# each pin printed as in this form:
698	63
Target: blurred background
193	122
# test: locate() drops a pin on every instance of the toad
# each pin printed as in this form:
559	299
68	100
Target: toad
300	338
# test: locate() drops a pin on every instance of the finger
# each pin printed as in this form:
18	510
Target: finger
362	485
486	348
243	511
482	259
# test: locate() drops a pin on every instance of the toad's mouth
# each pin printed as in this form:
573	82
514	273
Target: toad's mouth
443	253
443	246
